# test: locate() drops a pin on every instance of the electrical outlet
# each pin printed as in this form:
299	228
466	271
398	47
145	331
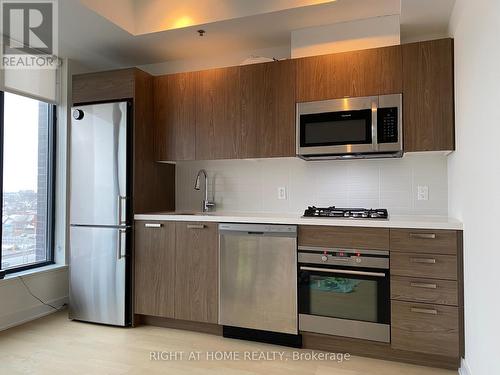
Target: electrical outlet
282	192
422	193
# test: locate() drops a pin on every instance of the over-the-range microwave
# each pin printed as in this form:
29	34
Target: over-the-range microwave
363	127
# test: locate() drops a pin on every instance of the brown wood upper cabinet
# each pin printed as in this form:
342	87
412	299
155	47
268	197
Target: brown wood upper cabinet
358	73
103	86
218	128
268	109
428	105
174	103
249	111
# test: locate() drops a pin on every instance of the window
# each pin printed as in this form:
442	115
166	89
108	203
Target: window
26	180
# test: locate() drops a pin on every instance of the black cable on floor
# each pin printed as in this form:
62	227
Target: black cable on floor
30	292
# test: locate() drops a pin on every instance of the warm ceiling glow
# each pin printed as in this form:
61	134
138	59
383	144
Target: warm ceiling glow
183	21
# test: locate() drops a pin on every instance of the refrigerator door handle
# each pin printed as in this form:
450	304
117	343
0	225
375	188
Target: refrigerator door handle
121	244
122	210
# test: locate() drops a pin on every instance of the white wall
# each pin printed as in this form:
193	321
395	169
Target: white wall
346	36
474	174
17	305
251	185
236	58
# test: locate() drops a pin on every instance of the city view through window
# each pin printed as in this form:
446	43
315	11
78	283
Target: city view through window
25	181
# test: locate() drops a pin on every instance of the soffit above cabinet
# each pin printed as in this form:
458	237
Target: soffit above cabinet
106	45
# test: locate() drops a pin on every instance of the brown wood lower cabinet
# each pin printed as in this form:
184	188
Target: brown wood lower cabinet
348	237
426	292
154	268
176	270
443	292
196	272
176	285
425	241
424	265
425	328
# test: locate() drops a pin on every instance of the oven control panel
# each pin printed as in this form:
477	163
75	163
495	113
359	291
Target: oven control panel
344	257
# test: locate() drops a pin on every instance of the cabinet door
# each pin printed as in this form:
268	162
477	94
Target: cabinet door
196	276
218	114
428	114
103	86
358	73
425	328
348	237
268	110
174	108
154	268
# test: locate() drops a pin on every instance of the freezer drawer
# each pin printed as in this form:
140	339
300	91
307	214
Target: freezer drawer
98	275
258	279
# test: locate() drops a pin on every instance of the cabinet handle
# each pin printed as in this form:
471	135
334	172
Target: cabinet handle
419	310
425	236
423	260
423	285
153	225
195	226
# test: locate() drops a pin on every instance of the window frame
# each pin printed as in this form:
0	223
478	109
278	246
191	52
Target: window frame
51	182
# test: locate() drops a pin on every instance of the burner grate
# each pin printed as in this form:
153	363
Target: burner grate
350	213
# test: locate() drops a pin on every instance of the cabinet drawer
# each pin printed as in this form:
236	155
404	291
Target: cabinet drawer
424	265
424	241
425	328
442	292
348	237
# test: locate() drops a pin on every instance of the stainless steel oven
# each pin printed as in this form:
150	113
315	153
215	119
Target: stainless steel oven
363	127
344	292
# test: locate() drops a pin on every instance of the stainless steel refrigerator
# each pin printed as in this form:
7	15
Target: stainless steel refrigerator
100	213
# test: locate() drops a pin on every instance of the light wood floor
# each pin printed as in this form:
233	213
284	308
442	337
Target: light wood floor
55	345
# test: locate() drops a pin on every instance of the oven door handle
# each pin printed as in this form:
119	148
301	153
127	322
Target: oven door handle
347	272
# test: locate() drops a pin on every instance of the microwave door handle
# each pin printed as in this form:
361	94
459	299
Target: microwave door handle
374	125
346	272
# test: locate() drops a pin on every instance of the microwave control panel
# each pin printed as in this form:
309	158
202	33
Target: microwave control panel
387	123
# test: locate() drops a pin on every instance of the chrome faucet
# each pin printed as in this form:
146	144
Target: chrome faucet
206	205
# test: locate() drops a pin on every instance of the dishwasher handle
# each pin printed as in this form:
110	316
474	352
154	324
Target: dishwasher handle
271	230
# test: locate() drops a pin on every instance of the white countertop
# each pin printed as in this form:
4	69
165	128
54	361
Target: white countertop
414	222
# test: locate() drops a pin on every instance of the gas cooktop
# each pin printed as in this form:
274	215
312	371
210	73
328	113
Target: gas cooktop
353	213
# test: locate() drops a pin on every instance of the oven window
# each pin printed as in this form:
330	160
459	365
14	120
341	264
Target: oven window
345	297
336	128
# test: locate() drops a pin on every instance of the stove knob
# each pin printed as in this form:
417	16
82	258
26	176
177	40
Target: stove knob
324	258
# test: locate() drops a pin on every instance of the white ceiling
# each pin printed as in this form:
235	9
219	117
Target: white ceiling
97	43
149	16
425	19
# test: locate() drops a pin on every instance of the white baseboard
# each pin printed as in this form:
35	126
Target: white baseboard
464	368
32	313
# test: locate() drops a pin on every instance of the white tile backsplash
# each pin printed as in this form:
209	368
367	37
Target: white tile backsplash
252	185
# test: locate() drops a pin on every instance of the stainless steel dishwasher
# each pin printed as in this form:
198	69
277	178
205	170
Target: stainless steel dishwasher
258	282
